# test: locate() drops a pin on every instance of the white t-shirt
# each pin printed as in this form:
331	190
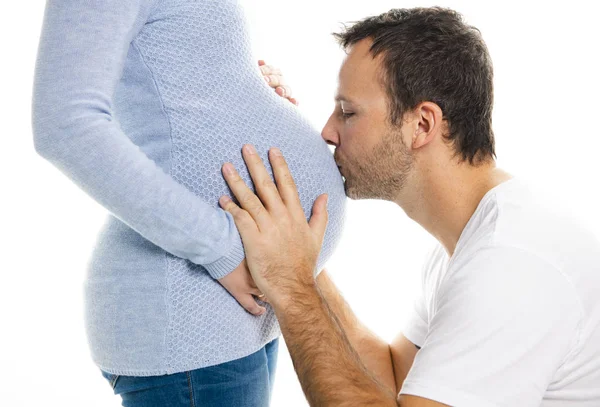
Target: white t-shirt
513	318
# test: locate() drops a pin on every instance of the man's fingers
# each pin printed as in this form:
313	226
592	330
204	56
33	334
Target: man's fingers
244	222
285	184
319	218
249	303
263	184
249	202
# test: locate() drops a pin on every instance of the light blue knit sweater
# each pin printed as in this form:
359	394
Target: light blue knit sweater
140	102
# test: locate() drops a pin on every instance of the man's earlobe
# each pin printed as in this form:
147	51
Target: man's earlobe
422	132
428	116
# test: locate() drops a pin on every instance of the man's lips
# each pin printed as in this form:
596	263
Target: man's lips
340	171
339	167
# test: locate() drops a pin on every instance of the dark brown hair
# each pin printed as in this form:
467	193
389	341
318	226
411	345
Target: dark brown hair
430	54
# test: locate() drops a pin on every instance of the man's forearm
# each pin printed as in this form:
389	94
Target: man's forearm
329	369
372	350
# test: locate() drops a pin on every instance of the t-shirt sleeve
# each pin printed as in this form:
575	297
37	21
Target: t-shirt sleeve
416	325
415	328
503	324
81	56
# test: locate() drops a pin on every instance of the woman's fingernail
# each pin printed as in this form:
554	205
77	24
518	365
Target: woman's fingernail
267	78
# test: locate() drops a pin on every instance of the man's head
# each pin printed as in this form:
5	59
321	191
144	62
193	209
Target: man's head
415	90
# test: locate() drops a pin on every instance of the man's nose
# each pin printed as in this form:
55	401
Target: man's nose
330	134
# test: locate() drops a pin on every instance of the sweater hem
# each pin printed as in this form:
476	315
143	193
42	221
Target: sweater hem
180	369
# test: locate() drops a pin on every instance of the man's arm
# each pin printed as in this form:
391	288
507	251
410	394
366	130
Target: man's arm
329	369
385	362
403	356
282	250
374	353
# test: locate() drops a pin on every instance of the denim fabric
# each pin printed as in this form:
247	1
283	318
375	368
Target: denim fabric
246	382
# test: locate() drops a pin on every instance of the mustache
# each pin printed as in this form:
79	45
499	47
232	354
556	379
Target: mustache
336	158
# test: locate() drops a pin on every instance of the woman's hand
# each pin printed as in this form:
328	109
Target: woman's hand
274	78
241	286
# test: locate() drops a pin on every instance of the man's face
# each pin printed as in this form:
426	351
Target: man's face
370	153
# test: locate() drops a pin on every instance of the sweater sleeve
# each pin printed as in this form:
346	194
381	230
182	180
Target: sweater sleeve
80	60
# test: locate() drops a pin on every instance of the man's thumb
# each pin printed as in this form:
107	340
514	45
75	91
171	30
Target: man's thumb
319	216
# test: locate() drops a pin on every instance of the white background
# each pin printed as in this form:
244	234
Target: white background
546	124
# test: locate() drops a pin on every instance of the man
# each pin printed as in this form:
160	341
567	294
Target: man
509	314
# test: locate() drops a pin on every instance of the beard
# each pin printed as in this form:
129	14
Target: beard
382	172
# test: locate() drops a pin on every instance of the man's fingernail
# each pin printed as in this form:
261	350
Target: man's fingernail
228	168
277	152
250	149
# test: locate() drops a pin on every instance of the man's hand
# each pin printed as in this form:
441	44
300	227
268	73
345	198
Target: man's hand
241	286
281	246
282	249
275	79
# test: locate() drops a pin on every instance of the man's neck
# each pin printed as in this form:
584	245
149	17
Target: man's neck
446	200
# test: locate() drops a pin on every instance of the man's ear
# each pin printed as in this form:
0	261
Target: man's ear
428	123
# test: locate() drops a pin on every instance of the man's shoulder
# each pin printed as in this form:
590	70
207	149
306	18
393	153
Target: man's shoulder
529	219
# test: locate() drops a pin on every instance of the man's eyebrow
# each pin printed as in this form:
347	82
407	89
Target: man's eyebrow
342	98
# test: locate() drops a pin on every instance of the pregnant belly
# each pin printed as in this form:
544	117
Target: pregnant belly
203	142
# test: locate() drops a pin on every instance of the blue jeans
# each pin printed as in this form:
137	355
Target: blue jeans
246	382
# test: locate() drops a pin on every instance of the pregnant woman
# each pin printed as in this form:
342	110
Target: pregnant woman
140	103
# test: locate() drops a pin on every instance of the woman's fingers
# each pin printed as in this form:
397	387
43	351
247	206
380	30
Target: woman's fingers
270	70
272	75
284	91
275	79
249	303
256	291
264	299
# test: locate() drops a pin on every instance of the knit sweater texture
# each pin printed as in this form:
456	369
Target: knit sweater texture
140	103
